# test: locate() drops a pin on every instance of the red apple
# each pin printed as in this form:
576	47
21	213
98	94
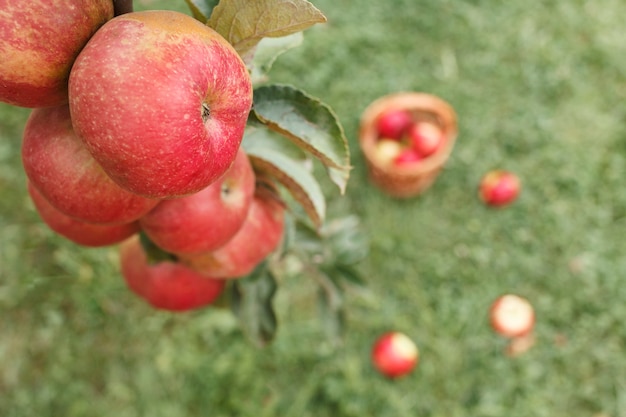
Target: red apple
393	123
512	316
259	236
407	157
163	114
58	164
166	285
499	188
387	150
208	219
394	354
425	138
39	41
85	234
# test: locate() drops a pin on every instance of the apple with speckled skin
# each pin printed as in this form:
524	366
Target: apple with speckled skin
59	165
499	188
82	233
165	284
259	236
163	114
394	354
39	41
208	219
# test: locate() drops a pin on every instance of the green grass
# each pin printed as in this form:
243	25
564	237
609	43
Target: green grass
539	88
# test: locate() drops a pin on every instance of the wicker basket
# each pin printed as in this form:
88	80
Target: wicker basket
407	181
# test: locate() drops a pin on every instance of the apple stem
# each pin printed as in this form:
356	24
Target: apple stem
122	6
206	112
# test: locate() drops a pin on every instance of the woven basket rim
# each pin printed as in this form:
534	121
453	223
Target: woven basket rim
417	101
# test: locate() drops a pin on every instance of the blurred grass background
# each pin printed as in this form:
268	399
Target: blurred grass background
539	88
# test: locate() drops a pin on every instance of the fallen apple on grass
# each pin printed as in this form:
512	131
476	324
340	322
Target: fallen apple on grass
512	316
394	354
163	114
499	188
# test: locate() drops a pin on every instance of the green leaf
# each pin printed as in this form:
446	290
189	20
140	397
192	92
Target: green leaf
253	304
201	9
267	157
244	22
154	254
347	240
311	124
267	51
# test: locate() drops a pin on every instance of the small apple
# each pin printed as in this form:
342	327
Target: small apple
208	219
393	123
408	157
85	234
512	316
163	114
40	40
425	138
59	165
499	188
259	236
387	150
165	284
394	354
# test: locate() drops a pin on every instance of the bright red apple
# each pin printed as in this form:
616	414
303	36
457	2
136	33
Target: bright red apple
85	234
393	123
163	114
166	284
512	316
59	165
407	157
39	41
259	236
499	188
394	354
425	138
208	219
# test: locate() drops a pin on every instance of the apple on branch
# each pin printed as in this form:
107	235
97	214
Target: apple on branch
164	115
59	165
206	220
258	237
499	188
40	40
394	354
165	284
82	233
